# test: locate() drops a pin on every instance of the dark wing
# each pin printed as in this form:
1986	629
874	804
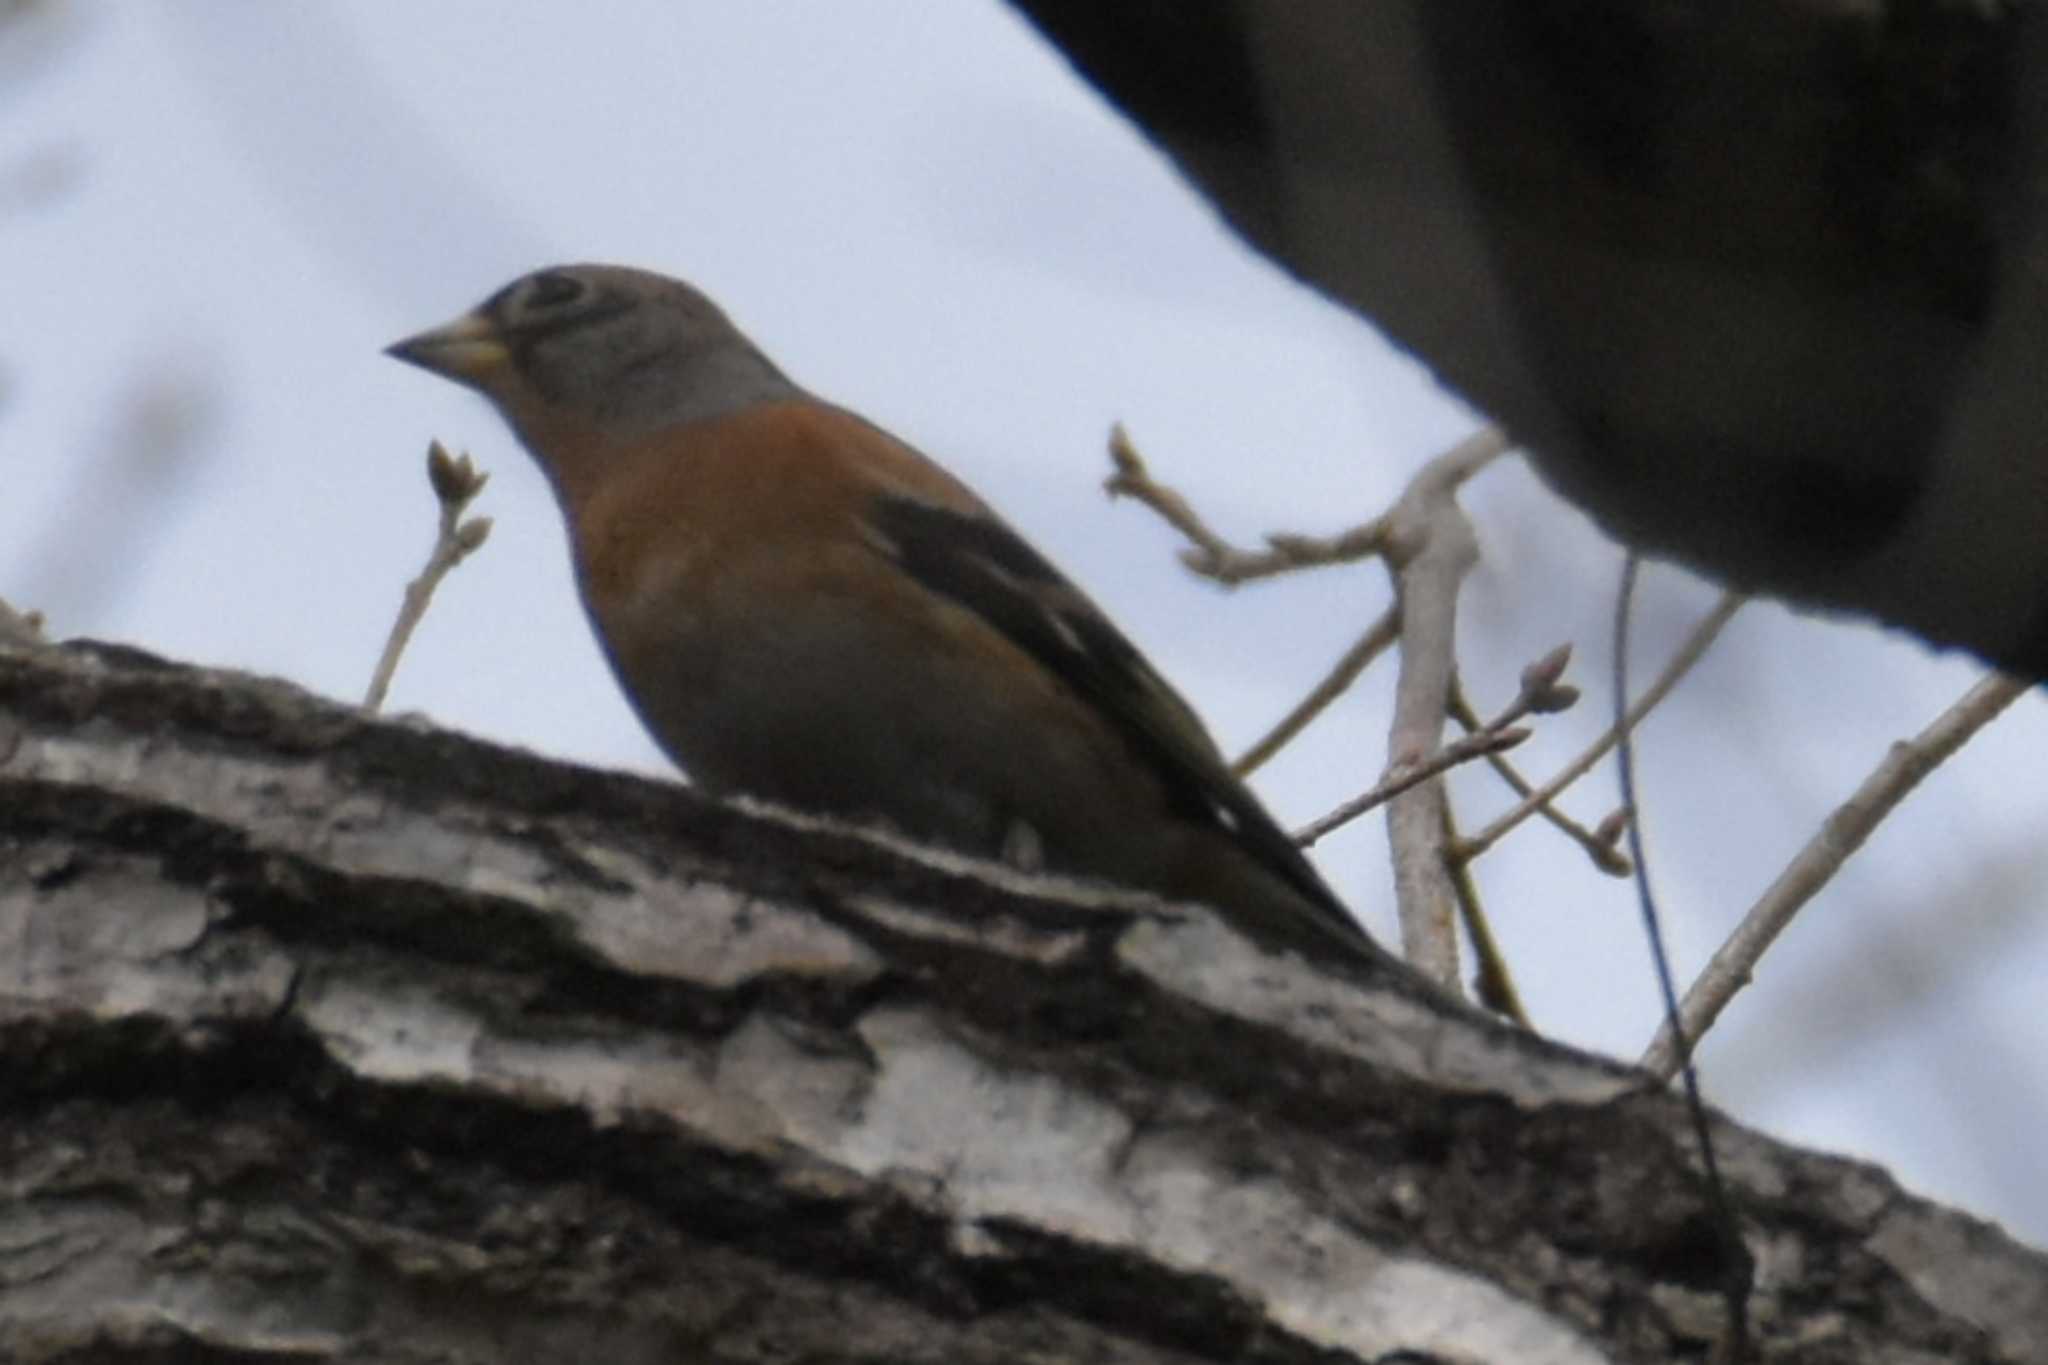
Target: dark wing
989	569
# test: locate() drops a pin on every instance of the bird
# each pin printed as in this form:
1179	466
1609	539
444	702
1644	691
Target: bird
804	609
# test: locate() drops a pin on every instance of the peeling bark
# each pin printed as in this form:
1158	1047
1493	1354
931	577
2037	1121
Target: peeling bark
324	1037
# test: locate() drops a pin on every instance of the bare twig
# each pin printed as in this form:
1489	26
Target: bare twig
1133	480
1493	985
1598	844
1844	831
456	482
1402	779
1543	692
1287	551
1210	555
1378	636
1688	654
1430	548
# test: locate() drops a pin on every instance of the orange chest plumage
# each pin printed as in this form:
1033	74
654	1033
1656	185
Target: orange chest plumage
776	494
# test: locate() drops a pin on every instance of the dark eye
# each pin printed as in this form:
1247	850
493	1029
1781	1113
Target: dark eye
550	289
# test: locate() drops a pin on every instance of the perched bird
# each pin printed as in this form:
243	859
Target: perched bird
805	609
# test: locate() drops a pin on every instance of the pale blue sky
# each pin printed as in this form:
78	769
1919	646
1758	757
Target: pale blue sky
213	215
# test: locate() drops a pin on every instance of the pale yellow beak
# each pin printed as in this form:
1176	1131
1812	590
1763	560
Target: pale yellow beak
467	350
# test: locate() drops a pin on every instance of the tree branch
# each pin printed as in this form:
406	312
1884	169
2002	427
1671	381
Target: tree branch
327	1037
1904	767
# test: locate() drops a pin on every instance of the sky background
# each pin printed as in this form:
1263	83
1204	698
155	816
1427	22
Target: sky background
213	216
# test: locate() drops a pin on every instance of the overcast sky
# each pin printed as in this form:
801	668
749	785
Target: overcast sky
213	215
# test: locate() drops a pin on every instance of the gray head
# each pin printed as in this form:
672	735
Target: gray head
625	351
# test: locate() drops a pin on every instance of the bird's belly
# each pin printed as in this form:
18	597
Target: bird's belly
839	714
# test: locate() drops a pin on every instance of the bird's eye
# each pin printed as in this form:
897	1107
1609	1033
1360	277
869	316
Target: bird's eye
552	290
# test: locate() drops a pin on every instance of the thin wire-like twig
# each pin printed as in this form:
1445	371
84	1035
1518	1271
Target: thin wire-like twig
1387	788
1696	644
1738	1269
1598	844
1543	692
456	482
1377	638
1843	832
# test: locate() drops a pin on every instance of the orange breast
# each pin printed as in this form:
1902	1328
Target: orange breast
766	498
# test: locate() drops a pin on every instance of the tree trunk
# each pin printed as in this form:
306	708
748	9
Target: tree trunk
329	1037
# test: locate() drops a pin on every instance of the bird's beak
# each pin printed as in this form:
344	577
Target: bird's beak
467	350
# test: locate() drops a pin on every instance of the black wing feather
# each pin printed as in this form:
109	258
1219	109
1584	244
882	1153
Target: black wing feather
986	567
